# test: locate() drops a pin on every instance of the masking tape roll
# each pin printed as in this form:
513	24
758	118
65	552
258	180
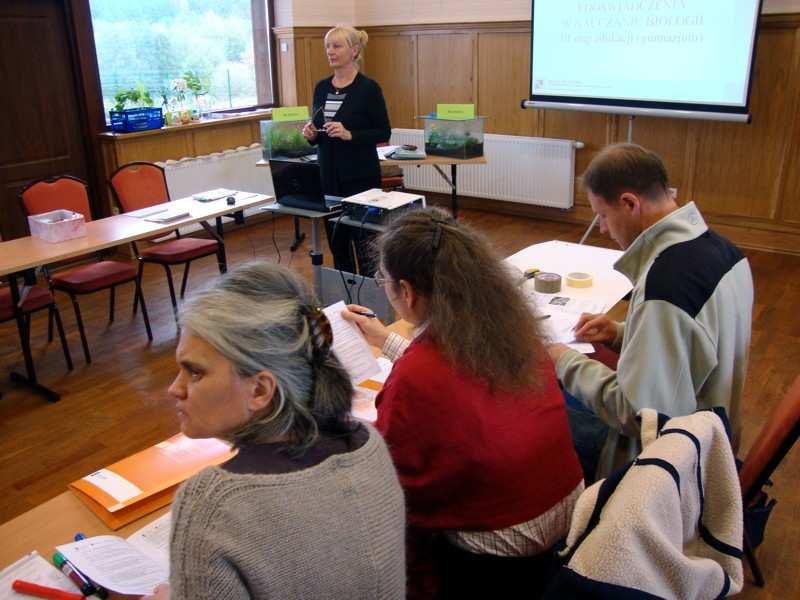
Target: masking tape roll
547	283
579	280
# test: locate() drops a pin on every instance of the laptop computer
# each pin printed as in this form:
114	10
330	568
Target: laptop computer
297	184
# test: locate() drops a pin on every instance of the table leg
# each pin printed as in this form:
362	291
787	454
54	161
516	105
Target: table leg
316	254
454	189
29	378
299	236
223	263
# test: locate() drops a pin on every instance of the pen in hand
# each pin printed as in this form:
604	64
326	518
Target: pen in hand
369	315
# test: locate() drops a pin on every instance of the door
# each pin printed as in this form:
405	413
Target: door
40	115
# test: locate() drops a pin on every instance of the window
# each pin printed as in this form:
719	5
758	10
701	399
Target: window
219	48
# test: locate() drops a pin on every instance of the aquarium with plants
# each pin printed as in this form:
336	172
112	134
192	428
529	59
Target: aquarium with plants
454	138
284	139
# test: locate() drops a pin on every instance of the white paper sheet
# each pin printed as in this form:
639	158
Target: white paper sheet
384	150
113	484
34	568
115	564
350	346
153	539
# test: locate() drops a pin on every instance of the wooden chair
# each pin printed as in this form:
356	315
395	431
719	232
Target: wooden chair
773	443
138	185
71	193
36	300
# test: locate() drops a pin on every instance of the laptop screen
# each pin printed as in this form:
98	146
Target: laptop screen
298	184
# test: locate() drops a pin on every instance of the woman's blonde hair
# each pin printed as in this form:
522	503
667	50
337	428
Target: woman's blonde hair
352	37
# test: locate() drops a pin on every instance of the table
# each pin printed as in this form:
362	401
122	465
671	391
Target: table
438	162
56	521
29	252
609	286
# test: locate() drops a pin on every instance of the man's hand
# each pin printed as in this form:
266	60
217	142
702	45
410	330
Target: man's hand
375	331
595	328
335	129
556	350
310	132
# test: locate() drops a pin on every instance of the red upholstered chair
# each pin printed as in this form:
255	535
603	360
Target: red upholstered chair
37	299
773	443
71	193
141	184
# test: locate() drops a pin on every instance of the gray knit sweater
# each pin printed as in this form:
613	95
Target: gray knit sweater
334	530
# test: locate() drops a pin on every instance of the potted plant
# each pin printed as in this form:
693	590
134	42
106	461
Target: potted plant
134	111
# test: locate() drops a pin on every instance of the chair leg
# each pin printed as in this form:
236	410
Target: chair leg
222	260
50	325
54	315
86	355
27	318
139	278
112	294
185	279
172	292
140	295
755	568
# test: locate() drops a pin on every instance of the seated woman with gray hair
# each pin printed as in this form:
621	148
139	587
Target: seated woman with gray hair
310	507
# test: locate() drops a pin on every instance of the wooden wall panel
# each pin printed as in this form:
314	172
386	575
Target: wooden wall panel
593	129
446	63
287	65
671	140
317	62
391	61
739	166
503	76
745	177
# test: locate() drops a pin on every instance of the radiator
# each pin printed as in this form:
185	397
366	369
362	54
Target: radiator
529	170
233	169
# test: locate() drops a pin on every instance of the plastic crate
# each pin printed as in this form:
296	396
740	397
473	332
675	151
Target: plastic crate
136	119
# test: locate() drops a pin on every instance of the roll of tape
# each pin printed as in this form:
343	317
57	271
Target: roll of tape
579	280
547	283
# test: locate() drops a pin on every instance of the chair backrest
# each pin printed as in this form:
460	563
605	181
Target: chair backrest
65	192
139	185
776	438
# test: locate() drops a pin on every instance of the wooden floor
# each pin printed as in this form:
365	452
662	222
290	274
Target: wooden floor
118	404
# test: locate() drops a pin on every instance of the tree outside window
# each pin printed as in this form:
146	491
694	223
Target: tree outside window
150	44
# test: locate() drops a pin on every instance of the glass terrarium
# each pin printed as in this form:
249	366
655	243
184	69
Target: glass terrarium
454	138
284	139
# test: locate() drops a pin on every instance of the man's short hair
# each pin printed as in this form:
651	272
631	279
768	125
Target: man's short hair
621	168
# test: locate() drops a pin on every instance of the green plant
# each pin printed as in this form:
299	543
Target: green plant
197	83
137	96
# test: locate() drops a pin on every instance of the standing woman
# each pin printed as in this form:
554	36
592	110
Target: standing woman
349	120
310	507
472	414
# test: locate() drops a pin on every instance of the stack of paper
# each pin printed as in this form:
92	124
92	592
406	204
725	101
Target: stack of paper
146	481
35	569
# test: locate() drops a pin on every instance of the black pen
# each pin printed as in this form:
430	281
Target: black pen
369	315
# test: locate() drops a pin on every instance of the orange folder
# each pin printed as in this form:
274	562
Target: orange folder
154	473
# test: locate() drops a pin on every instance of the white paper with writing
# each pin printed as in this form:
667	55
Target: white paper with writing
34	568
350	346
115	564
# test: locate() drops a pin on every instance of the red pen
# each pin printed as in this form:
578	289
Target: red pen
41	591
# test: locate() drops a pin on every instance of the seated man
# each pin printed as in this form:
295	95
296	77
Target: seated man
685	340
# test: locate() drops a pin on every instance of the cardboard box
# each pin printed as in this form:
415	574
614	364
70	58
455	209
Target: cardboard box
57	225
